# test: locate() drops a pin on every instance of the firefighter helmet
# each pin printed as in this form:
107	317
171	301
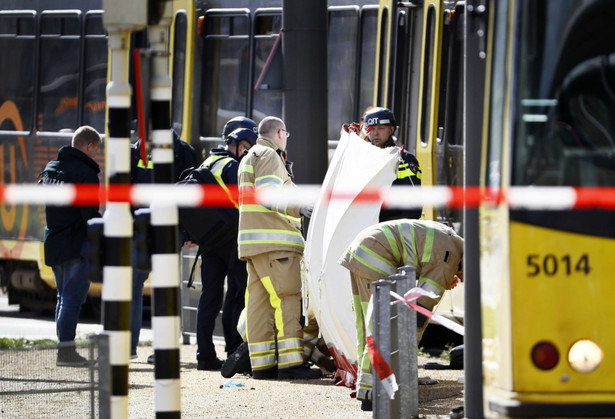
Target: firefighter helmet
241	134
379	116
238	122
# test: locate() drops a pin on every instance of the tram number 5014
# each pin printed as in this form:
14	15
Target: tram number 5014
551	265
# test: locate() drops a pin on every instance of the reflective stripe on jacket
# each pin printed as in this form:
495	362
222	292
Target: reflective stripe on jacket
266	229
433	248
216	164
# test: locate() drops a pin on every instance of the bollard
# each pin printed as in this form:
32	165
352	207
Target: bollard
408	348
102	364
400	359
382	335
402	355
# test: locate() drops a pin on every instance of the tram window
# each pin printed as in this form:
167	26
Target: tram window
227	25
95	72
565	134
179	64
267	81
59	72
425	128
453	94
398	88
342	56
267	24
493	173
60	25
367	69
17	67
226	55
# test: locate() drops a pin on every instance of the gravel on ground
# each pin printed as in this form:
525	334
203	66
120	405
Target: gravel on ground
206	394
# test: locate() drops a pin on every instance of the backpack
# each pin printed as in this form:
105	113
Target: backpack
209	227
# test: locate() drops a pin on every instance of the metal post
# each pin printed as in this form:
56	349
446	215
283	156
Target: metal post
382	333
476	18
399	350
117	271
102	362
409	369
119	19
304	47
165	257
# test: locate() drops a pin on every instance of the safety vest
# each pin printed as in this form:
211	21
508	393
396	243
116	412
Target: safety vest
216	164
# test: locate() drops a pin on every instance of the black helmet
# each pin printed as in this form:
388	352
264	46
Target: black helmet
241	134
238	122
379	116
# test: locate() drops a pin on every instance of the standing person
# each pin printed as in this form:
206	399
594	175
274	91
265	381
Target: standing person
65	237
221	261
434	249
184	156
271	242
381	124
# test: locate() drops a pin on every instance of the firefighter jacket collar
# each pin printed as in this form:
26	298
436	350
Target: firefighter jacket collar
272	144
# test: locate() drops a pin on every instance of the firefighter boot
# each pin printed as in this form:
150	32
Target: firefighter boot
300	372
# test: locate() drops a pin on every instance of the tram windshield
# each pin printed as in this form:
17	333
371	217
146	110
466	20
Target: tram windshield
565	122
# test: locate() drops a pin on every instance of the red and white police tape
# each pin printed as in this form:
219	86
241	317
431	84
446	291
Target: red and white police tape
533	197
381	367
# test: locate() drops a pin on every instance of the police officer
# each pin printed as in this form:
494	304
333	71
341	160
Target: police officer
184	156
222	261
381	127
235	123
434	249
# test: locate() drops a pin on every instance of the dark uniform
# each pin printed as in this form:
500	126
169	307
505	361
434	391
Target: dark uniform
184	157
408	173
381	123
217	264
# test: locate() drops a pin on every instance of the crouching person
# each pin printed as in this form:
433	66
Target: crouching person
434	249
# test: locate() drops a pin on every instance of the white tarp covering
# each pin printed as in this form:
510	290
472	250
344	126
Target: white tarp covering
356	166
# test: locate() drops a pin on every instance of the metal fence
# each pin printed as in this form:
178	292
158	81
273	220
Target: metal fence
32	385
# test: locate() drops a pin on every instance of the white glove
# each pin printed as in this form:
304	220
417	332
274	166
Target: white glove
306	211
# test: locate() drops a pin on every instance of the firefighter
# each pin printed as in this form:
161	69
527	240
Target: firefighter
220	260
381	127
433	248
271	242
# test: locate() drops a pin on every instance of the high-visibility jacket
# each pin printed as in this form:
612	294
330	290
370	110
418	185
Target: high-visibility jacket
266	229
433	248
408	173
224	167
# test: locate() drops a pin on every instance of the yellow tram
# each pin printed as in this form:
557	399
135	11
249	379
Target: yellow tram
546	280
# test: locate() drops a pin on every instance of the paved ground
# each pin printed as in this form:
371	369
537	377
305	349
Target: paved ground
207	394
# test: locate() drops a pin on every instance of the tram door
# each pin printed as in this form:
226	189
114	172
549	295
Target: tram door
546	273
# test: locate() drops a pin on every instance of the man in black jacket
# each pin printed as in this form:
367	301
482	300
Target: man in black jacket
65	237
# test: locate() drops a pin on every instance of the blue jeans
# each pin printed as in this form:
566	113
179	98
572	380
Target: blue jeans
136	307
72	286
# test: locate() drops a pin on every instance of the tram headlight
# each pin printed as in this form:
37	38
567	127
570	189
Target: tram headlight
545	355
585	356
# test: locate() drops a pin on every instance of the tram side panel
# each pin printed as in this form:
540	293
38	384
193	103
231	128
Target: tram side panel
37	116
